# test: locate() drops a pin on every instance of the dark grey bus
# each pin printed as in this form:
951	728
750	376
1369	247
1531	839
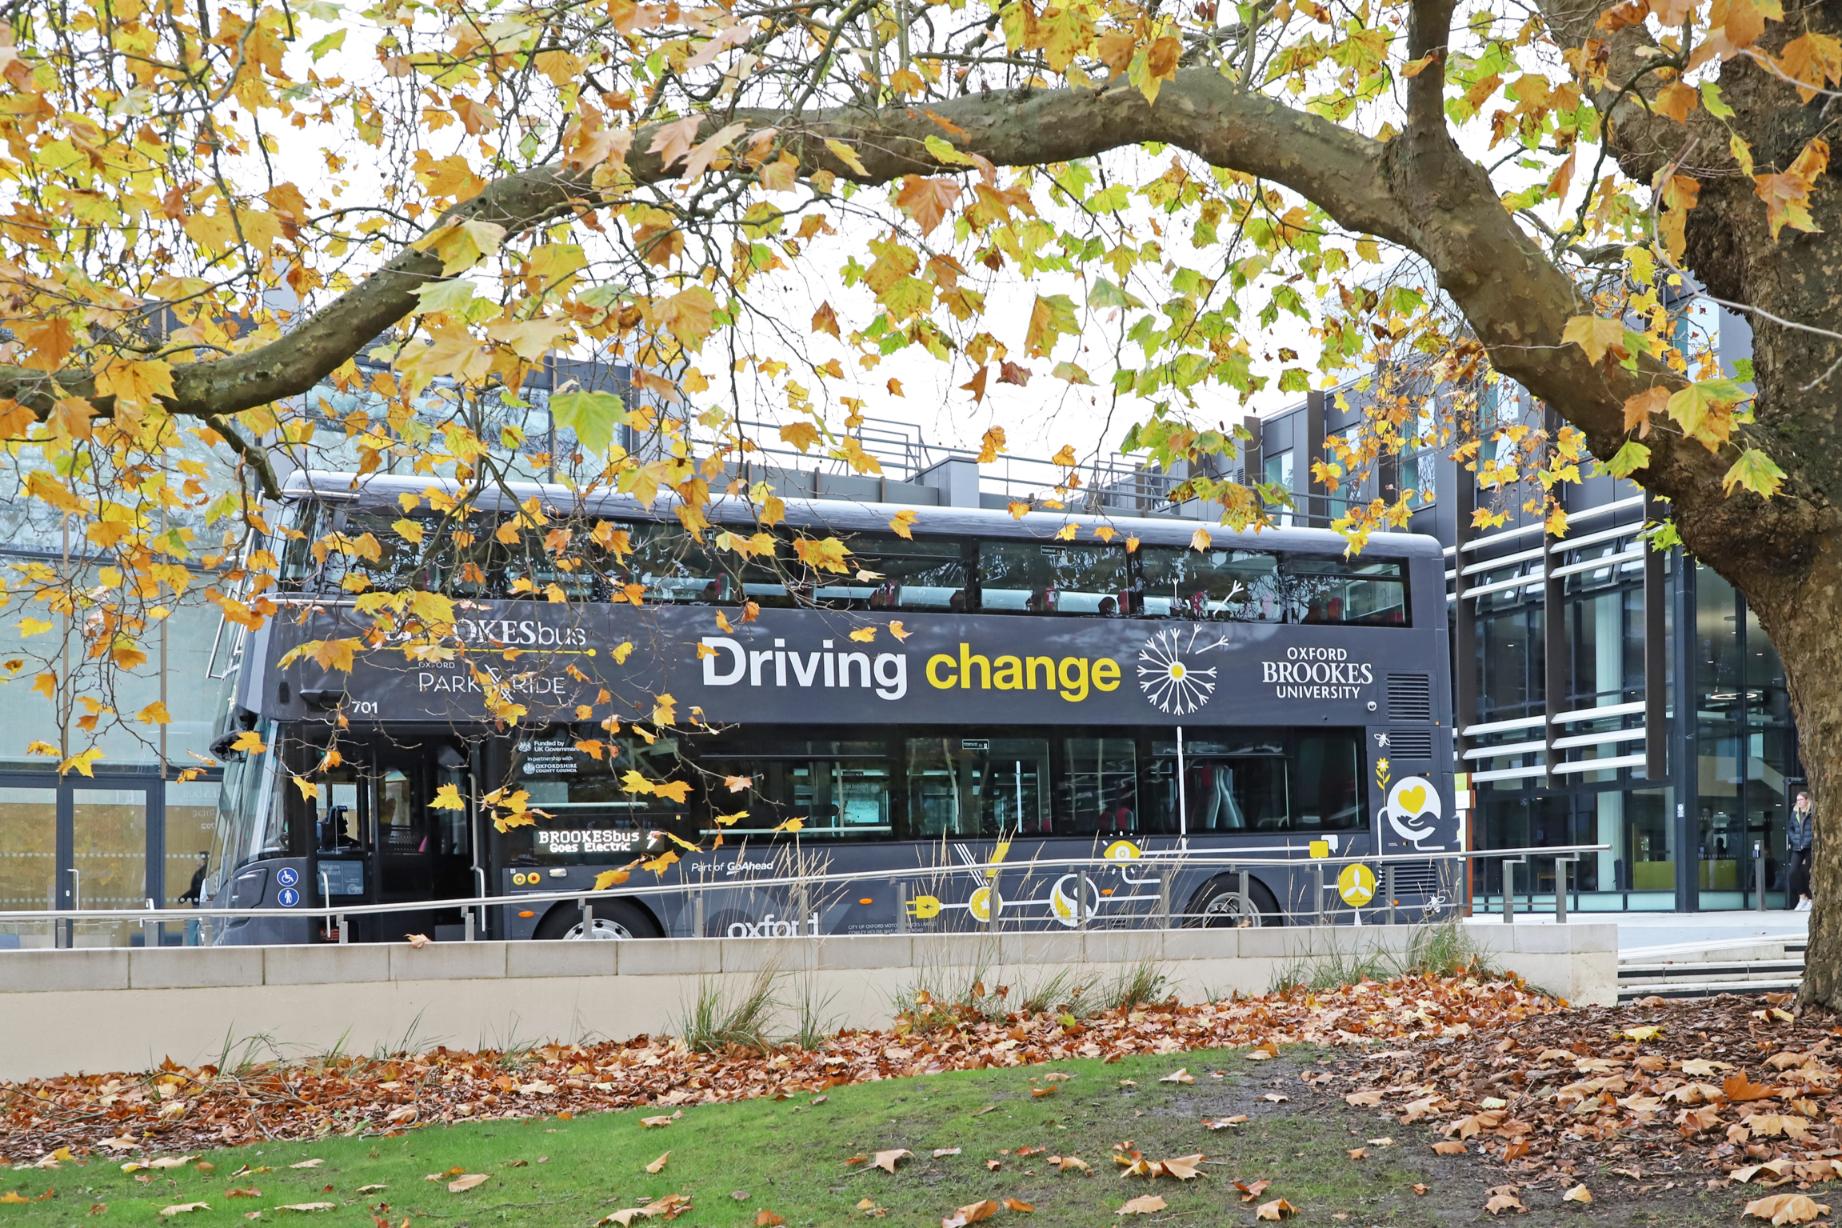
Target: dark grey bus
983	695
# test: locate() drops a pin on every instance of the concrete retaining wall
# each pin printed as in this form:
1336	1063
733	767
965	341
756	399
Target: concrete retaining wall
103	1010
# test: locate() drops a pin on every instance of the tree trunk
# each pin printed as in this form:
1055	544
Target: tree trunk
1802	614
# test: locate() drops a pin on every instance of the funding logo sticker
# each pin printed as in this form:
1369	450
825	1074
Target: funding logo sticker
1356	884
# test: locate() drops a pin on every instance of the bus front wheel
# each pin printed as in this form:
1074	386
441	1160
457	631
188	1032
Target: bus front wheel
1219	904
615	921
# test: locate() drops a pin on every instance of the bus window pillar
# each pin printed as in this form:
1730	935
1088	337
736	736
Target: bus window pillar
1183	805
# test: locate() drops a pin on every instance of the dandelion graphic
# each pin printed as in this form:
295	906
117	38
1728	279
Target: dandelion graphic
1168	672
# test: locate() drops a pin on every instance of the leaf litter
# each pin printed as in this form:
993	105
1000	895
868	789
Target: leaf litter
176	1108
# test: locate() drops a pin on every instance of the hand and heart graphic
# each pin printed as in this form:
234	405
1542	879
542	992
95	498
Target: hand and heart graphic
1413	809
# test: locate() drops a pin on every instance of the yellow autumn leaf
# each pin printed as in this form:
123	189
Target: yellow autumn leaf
902	524
83	763
864	635
249	742
154	713
448	797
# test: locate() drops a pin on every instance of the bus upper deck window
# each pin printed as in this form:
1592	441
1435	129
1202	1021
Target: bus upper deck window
1211	585
1348	592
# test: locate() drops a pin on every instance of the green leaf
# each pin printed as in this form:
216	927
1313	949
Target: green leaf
591	415
1688	407
328	43
1756	472
1711	99
1628	459
451	295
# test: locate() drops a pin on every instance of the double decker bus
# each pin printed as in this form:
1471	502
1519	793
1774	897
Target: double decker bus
971	693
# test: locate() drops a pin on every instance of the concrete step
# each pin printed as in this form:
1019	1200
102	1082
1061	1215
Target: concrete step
1707	989
1750	969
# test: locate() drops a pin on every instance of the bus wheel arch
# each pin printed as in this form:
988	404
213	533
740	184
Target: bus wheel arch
616	920
1217	903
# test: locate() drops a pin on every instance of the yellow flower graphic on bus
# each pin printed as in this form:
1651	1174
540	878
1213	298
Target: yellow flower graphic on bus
1171	673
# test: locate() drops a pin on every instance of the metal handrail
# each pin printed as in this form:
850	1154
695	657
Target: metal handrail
1186	860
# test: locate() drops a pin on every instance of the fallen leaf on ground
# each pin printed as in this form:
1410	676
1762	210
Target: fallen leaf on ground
374	1188
307	1206
940	1152
767	1219
1501	1202
185	1208
1020	1206
1579	1194
249	1193
1787	1208
1449	1147
1144	1204
1251	1191
669	1207
887	1160
1180	1075
655	1123
1223	1123
1279	1208
658	1165
313	1163
460	1185
971	1213
1070	1164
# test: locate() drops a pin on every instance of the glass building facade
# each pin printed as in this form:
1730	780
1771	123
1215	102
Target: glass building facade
1608	692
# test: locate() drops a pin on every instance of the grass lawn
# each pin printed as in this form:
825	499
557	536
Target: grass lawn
789	1158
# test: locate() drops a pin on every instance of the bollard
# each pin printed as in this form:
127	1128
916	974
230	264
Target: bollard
1388	890
1164	900
467	920
1562	868
697	915
339	920
1758	876
802	905
1509	889
1081	901
1247	897
588	918
901	906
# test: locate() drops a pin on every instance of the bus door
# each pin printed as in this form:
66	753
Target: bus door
382	840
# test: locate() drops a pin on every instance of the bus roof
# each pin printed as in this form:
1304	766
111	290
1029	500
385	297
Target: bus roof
850	515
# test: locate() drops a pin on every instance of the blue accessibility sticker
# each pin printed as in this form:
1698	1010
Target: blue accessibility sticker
288	897
287	876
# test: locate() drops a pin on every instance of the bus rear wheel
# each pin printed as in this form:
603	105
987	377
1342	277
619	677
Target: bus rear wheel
1219	905
615	921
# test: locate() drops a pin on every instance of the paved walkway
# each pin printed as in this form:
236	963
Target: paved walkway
1641	930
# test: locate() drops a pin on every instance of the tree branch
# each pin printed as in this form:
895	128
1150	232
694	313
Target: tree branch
1198	110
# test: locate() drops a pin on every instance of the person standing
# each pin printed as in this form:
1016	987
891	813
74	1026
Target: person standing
1799	836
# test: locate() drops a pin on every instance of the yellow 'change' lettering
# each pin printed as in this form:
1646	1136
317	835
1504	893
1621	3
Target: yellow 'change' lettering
1071	677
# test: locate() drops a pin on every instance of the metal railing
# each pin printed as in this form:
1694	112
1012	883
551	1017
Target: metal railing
803	887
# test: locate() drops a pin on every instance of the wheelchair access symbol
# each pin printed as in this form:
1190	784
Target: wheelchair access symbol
1356	884
287	876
